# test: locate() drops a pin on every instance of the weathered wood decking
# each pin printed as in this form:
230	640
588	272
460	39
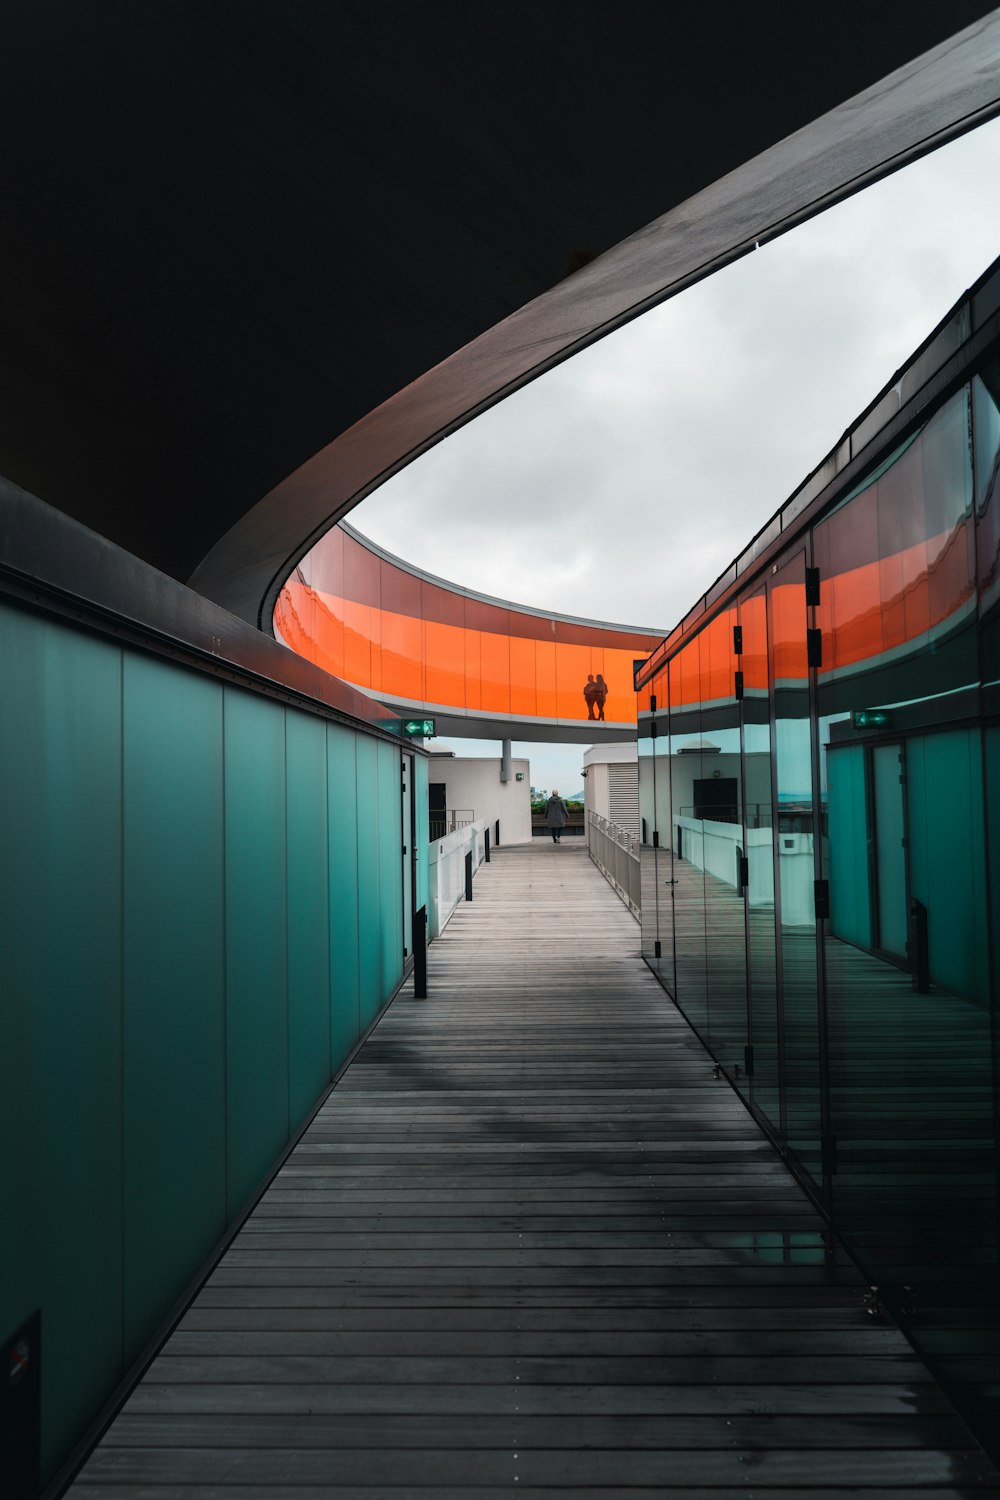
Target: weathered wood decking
530	1246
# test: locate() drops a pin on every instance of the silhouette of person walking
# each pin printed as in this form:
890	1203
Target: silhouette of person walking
590	694
601	695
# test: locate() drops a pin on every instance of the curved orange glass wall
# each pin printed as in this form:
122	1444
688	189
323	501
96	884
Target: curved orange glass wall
368	619
898	568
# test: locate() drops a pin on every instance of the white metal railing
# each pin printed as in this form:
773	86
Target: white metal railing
446	821
615	852
447	872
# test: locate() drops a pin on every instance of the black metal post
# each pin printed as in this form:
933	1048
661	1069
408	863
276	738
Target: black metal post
920	957
468	876
486	844
420	954
21	1409
497	840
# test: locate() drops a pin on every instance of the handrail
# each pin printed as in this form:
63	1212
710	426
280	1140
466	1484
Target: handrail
447	871
615	852
448	819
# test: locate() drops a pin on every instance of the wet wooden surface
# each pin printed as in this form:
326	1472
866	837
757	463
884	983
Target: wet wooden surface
530	1245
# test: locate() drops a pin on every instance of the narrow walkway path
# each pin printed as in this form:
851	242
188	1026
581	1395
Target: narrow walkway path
530	1246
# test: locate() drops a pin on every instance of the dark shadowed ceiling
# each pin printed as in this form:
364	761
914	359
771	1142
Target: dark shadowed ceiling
233	228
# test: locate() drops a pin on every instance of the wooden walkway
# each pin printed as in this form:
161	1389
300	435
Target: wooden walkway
530	1246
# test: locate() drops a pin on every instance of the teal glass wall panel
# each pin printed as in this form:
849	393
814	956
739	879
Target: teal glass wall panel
60	1020
369	920
308	914
850	901
174	1146
885	1089
651	918
947	857
390	833
686	837
179	921
256	958
420	782
345	1020
991	755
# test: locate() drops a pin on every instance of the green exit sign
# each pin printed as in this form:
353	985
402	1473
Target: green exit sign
419	728
869	718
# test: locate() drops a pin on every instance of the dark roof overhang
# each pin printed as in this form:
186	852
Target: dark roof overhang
259	253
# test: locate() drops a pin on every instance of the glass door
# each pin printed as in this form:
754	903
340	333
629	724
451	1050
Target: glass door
409	853
718	808
889	850
755	732
794	862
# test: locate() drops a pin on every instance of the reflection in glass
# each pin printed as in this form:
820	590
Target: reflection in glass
687	756
872	1050
758	835
906	950
794	862
650	917
987	429
718	800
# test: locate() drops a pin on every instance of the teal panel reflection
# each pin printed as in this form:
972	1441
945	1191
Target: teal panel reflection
850	902
390	840
308	914
420	781
256	997
174	948
342	783
946	834
991	747
369	919
60	1021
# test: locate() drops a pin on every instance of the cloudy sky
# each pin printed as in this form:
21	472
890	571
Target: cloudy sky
622	483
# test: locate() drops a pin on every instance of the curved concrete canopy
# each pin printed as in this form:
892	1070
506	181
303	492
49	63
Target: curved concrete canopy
239	230
893	122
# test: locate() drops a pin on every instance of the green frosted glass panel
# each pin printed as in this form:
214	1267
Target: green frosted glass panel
256	963
343	894
308	914
60	1020
947	856
174	948
420	780
850	903
369	916
992	752
390	839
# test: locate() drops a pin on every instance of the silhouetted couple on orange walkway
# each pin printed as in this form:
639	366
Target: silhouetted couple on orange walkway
595	694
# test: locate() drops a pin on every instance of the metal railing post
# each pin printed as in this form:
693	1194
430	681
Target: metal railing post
420	954
615	851
486	845
468	876
919	947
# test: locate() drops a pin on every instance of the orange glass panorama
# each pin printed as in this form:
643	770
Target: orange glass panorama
419	642
897	568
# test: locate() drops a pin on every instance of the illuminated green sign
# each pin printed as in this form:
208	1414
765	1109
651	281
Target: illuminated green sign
419	728
869	718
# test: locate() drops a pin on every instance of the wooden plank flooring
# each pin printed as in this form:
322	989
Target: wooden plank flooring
531	1246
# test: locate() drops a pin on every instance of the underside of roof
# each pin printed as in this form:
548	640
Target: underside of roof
238	234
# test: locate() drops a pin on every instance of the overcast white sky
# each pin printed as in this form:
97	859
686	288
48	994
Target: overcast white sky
622	483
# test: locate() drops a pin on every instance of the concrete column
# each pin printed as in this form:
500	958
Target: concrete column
505	761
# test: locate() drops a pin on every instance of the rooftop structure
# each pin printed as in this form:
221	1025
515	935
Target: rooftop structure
256	257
